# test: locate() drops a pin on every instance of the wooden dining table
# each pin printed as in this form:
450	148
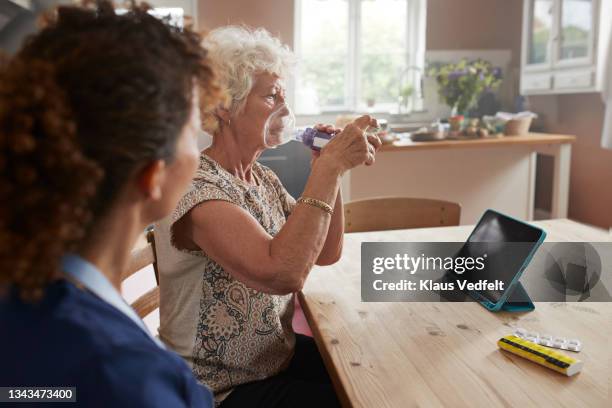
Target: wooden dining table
416	354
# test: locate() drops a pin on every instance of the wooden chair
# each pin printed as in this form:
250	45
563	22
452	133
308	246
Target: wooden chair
141	257
389	213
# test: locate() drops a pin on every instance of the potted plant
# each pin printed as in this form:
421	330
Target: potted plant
461	84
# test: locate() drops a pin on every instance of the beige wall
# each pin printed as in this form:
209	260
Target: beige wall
474	24
591	168
274	15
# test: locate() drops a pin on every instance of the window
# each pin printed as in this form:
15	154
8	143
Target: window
179	12
175	15
359	55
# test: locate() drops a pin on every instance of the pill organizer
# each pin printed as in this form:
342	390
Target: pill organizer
549	340
541	355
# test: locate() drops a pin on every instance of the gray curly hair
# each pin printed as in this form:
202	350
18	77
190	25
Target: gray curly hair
237	54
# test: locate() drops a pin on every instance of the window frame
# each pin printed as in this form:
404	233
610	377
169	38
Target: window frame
190	7
415	40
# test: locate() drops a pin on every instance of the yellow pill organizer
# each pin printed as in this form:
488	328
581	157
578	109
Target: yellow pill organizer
541	355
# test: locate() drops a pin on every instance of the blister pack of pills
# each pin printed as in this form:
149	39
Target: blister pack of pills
549	340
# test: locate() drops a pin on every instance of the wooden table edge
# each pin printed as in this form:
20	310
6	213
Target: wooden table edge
325	355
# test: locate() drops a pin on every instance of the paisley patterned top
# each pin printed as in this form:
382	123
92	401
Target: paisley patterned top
229	333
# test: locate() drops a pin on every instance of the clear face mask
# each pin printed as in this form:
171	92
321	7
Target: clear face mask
279	127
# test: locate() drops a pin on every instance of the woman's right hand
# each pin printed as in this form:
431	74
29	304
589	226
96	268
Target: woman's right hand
353	147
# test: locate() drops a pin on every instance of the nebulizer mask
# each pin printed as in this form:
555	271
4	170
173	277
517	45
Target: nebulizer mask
280	129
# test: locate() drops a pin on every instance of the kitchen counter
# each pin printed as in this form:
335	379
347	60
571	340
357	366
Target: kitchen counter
529	139
478	174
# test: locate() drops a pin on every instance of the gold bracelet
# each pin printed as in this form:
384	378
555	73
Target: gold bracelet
316	203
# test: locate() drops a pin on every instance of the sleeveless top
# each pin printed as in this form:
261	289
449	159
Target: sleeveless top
229	333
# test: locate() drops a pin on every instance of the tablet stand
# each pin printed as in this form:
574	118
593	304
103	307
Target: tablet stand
518	300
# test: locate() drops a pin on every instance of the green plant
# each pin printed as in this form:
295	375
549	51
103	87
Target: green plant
407	91
404	95
461	84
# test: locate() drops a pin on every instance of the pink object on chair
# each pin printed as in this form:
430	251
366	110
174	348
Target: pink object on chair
300	324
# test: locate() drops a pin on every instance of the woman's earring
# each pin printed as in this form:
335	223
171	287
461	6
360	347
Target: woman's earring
229	122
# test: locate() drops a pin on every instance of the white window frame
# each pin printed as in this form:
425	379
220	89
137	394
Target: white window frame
416	36
190	7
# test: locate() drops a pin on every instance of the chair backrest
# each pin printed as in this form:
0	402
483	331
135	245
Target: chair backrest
140	258
389	213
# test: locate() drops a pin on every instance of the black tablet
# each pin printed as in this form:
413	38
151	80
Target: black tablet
507	245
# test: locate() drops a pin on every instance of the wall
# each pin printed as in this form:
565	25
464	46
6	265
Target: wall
475	24
591	167
274	15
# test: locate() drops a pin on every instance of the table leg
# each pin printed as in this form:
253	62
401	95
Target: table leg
533	158
561	180
562	154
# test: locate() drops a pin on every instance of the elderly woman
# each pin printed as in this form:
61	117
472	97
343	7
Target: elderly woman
241	246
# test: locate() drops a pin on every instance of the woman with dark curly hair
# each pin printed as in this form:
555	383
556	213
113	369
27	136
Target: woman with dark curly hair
98	120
